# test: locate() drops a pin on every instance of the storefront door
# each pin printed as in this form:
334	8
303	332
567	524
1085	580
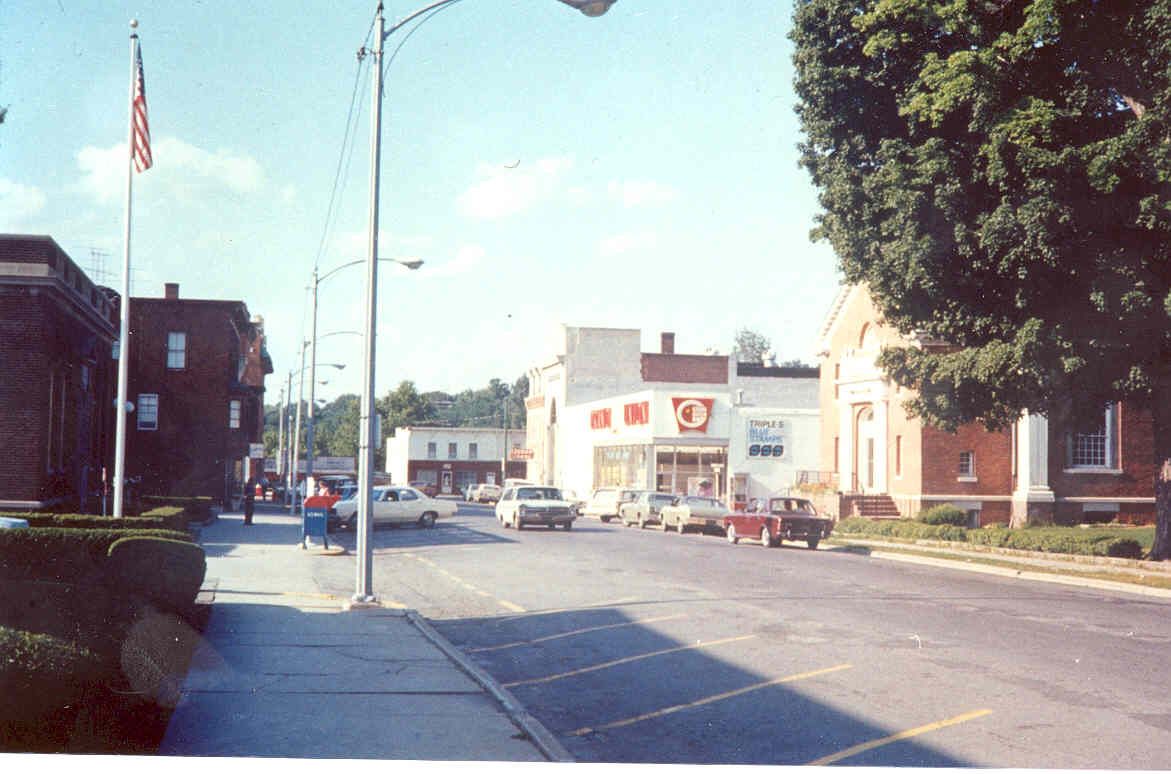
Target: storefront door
445	487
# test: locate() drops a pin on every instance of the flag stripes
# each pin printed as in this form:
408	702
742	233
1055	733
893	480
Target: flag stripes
141	133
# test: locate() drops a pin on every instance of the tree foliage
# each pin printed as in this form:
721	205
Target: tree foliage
998	174
751	347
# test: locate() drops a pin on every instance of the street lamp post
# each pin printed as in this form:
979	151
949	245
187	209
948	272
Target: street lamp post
295	438
364	594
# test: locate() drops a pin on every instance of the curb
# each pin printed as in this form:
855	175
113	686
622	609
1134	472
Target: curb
971	565
541	737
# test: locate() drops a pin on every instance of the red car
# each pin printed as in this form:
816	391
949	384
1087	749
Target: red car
426	487
781	518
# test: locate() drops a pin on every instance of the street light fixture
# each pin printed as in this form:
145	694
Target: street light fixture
364	593
410	263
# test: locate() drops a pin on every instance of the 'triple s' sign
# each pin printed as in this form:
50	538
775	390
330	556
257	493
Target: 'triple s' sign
766	438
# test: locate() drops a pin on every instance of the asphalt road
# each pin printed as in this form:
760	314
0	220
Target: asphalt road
645	646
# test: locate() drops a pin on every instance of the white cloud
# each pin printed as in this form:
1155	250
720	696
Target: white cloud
628	242
466	259
635	193
507	191
18	202
182	169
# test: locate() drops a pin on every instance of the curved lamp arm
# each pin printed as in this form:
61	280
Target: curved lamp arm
588	7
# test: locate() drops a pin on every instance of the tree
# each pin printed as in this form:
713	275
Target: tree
998	174
751	346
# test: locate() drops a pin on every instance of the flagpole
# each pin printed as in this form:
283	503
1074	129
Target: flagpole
124	306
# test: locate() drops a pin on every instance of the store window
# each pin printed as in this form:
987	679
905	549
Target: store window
695	470
620	466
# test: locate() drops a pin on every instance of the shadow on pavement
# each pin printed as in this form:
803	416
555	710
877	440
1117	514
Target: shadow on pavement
681	706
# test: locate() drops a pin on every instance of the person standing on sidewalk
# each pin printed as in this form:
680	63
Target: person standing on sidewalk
249	499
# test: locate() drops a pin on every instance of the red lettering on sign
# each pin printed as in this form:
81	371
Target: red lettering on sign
600	419
637	413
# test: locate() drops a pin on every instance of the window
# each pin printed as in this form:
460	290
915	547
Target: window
432	450
176	350
967	467
148	411
473	451
407	494
452	451
1093	448
234	414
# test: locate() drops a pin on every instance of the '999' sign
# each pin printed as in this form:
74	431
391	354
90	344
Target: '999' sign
766	450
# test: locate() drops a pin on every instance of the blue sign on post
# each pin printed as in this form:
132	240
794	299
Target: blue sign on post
313	524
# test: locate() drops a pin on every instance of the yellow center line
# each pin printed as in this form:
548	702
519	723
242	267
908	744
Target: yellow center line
461	582
552	611
626	660
710	699
574	633
859	748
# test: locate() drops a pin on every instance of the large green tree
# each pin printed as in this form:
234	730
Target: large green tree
998	174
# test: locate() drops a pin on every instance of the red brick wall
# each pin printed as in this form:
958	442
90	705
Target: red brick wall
687	369
1134	447
941	460
193	451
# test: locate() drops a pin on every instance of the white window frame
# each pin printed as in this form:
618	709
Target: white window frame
235	409
967	466
1108	435
176	350
142	411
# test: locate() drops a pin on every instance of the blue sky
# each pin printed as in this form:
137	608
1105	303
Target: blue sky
657	185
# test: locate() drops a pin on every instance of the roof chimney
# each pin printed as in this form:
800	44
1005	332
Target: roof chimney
667	343
171	290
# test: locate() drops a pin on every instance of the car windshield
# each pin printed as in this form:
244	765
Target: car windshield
662	499
537	493
789	505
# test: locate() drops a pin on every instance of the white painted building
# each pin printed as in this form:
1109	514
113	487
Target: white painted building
453	458
602	413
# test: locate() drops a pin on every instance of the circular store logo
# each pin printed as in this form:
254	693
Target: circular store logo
693	413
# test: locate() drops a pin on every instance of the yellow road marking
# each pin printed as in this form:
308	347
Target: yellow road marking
858	748
710	699
573	633
626	660
551	611
461	582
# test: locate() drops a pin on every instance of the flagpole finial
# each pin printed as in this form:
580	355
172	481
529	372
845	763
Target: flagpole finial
133	24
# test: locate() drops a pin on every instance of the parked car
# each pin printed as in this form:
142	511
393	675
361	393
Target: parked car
510	482
691	511
572	496
426	487
604	502
782	518
522	505
644	509
484	493
393	505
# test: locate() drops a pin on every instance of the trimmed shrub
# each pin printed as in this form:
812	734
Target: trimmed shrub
944	514
169	572
160	518
43	680
64	554
197	509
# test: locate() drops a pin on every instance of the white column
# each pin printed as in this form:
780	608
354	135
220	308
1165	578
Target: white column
1032	497
881	414
845	447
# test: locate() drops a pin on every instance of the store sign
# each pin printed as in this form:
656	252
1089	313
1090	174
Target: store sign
692	414
517	453
637	413
256	450
599	419
766	438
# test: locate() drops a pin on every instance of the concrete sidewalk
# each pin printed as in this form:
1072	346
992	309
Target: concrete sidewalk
284	671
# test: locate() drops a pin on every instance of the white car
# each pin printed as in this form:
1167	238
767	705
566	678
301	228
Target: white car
605	502
484	493
523	505
395	505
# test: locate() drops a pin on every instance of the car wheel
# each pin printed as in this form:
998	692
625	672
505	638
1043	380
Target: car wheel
812	542
765	539
732	534
427	520
641	522
551	525
605	519
352	523
569	525
516	522
679	527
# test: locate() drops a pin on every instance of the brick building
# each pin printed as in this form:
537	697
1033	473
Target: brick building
57	378
196	377
1036	471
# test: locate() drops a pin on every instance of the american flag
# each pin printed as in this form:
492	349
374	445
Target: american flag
141	138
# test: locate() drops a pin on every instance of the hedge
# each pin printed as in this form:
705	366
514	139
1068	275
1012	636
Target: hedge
159	518
198	509
169	572
944	514
64	553
1058	540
